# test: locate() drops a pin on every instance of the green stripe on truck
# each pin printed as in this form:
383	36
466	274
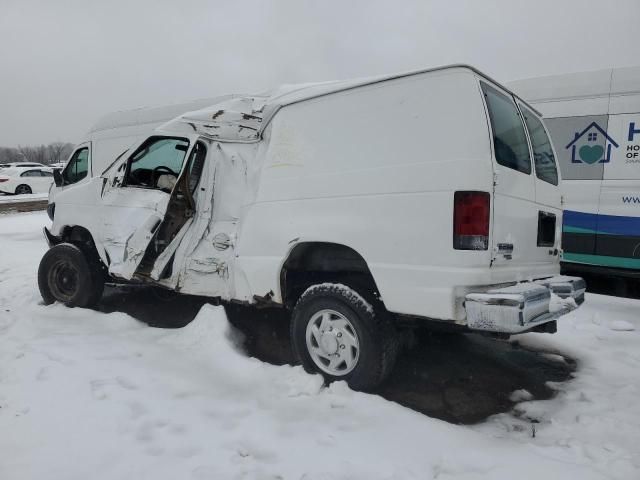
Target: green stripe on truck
603	260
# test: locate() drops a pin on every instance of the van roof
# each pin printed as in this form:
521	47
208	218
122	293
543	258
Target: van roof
242	118
150	115
288	94
575	86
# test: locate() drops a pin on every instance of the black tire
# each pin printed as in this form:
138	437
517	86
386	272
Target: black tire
65	275
23	190
376	334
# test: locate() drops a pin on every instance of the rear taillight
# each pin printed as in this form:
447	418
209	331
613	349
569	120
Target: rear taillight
4	180
471	213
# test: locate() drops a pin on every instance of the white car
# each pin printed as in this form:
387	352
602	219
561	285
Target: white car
25	180
363	206
21	164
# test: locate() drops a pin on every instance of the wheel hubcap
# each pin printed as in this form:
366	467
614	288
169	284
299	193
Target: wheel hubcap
332	342
63	280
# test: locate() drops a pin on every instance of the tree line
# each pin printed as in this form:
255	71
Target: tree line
46	154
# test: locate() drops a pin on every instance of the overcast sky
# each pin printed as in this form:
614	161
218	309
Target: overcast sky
63	64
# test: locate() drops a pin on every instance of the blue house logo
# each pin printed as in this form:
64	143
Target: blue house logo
587	147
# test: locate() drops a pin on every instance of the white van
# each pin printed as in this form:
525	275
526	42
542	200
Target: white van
594	121
356	204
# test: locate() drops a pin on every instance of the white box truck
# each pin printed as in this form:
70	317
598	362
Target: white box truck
594	121
425	197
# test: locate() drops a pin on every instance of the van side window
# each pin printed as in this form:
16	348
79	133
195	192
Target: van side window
509	139
77	167
157	163
543	157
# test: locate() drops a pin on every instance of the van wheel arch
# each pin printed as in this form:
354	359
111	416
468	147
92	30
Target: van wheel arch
82	238
310	263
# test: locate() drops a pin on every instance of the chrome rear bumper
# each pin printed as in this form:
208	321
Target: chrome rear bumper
566	287
523	306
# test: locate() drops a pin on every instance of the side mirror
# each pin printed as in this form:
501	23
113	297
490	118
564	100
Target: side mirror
57	177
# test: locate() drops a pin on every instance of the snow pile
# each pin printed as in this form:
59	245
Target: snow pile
597	415
621	325
557	304
85	394
520	395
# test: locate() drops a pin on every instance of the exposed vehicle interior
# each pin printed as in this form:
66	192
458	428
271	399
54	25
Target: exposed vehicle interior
157	163
166	177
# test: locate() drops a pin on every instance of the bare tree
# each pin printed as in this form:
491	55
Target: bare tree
9	155
46	154
55	151
34	154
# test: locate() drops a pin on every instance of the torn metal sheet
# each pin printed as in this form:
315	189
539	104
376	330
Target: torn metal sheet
210	265
135	247
238	119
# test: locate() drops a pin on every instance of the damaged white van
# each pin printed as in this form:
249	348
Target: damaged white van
427	197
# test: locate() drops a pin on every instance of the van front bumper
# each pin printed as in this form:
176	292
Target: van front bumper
524	306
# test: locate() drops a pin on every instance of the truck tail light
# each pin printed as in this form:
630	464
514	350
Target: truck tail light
471	214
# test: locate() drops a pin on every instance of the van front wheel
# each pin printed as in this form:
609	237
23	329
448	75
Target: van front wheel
336	332
65	275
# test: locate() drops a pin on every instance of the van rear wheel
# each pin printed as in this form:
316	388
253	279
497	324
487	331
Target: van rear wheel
339	334
65	275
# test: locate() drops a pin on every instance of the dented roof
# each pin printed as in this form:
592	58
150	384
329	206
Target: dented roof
238	118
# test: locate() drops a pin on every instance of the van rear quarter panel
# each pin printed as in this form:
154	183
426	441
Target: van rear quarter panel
375	168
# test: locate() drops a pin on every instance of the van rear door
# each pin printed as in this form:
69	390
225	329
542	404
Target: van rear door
547	186
515	210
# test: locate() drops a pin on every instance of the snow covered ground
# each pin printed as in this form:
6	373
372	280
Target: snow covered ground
89	395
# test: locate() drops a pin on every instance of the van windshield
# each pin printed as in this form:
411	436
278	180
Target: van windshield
158	157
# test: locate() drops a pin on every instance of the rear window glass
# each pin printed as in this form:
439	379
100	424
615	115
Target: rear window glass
543	157
509	140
